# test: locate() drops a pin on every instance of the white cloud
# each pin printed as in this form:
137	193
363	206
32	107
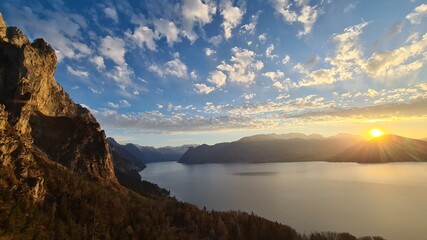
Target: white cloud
174	68
262	38
250	27
320	76
120	104
144	36
167	29
77	73
345	64
249	96
113	105
232	17
286	60
418	14
398	62
95	91
111	13
196	11
99	62
243	66
288	107
349	7
114	49
215	40
274	76
202	88
122	75
308	18
61	29
217	77
124	103
193	75
269	52
156	122
209	51
278	80
307	15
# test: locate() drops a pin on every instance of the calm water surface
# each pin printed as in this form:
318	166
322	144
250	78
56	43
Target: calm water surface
389	200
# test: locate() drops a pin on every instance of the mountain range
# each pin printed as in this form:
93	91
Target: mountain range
148	154
297	147
61	179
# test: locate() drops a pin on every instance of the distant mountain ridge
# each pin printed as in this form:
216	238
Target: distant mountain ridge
271	148
387	148
147	154
296	147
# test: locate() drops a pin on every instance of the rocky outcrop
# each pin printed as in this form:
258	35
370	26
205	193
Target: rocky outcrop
39	120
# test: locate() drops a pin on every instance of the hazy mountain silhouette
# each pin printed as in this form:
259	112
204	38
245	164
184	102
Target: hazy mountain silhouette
146	154
293	147
296	147
387	148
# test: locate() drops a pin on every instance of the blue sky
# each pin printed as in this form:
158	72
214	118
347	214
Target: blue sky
159	72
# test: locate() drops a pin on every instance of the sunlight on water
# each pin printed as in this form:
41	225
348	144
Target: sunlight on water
372	199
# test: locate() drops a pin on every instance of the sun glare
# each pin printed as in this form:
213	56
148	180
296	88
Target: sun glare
376	133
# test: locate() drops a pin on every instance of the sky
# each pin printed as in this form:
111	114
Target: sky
162	72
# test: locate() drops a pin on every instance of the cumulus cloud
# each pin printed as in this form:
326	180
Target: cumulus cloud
167	29
173	68
193	75
209	52
113	48
243	66
262	38
217	77
398	62
232	17
77	73
250	27
418	14
121	104
144	36
215	40
122	75
60	28
99	62
202	88
269	52
249	96
300	12
286	59
196	12
279	80
111	13
346	62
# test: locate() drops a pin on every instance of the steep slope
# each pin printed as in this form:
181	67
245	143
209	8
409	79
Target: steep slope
387	148
39	118
274	148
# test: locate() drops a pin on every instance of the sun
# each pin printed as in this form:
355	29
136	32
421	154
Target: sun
376	133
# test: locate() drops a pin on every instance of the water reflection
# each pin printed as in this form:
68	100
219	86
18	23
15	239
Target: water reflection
370	199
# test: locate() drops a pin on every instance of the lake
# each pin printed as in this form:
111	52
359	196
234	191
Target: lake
389	200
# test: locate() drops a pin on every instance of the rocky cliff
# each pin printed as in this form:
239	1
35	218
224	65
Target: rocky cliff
39	120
